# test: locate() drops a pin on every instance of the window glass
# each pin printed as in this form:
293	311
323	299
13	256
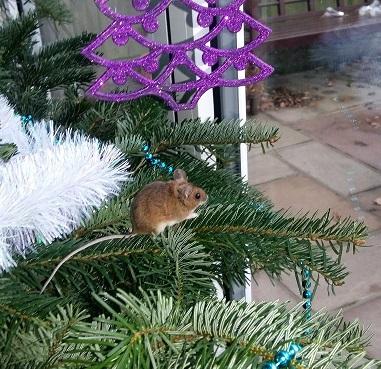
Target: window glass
325	97
323	4
269	11
296	8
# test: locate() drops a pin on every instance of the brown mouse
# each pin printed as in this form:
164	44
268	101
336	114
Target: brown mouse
157	206
162	204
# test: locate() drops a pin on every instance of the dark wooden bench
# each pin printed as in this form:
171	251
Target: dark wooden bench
303	28
309	23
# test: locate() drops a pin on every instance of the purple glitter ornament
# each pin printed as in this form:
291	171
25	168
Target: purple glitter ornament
123	29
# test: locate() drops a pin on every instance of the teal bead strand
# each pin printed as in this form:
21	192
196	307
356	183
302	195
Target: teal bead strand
307	293
156	162
283	358
26	119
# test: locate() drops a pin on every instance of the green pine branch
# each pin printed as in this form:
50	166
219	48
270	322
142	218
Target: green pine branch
198	133
235	253
16	35
19	302
55	10
7	151
155	331
39	345
175	263
243	218
26	75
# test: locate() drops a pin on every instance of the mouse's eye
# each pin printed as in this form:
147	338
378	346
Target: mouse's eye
197	195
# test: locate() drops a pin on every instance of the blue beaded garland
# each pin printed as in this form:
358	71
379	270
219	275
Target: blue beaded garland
269	365
154	161
39	240
282	358
26	119
307	294
294	349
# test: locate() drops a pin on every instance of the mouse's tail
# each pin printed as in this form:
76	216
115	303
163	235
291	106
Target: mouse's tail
75	252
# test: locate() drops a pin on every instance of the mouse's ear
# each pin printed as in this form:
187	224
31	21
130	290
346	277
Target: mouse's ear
185	190
180	175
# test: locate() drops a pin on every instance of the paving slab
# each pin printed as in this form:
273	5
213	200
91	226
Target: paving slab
344	96
263	289
356	132
300	192
336	94
334	90
294	115
335	170
369	314
265	168
288	136
367	201
362	284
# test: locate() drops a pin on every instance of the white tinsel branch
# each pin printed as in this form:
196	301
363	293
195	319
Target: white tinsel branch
39	136
52	185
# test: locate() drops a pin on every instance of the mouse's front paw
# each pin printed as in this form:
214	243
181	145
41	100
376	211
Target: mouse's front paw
192	216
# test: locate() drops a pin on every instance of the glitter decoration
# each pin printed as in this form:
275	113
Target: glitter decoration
123	28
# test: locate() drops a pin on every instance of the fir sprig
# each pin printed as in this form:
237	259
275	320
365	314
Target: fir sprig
153	330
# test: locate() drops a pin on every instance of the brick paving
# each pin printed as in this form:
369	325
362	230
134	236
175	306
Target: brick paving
329	156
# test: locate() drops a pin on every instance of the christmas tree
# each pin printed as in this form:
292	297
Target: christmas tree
149	302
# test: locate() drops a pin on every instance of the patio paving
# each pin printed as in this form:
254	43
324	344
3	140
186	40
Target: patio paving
329	156
331	168
301	192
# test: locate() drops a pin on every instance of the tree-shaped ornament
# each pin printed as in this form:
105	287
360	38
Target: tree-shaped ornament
124	28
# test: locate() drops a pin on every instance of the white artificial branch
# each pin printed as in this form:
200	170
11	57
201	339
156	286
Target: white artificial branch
53	184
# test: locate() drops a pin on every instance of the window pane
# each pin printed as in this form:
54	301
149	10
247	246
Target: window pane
269	11
268	2
296	8
354	2
324	4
